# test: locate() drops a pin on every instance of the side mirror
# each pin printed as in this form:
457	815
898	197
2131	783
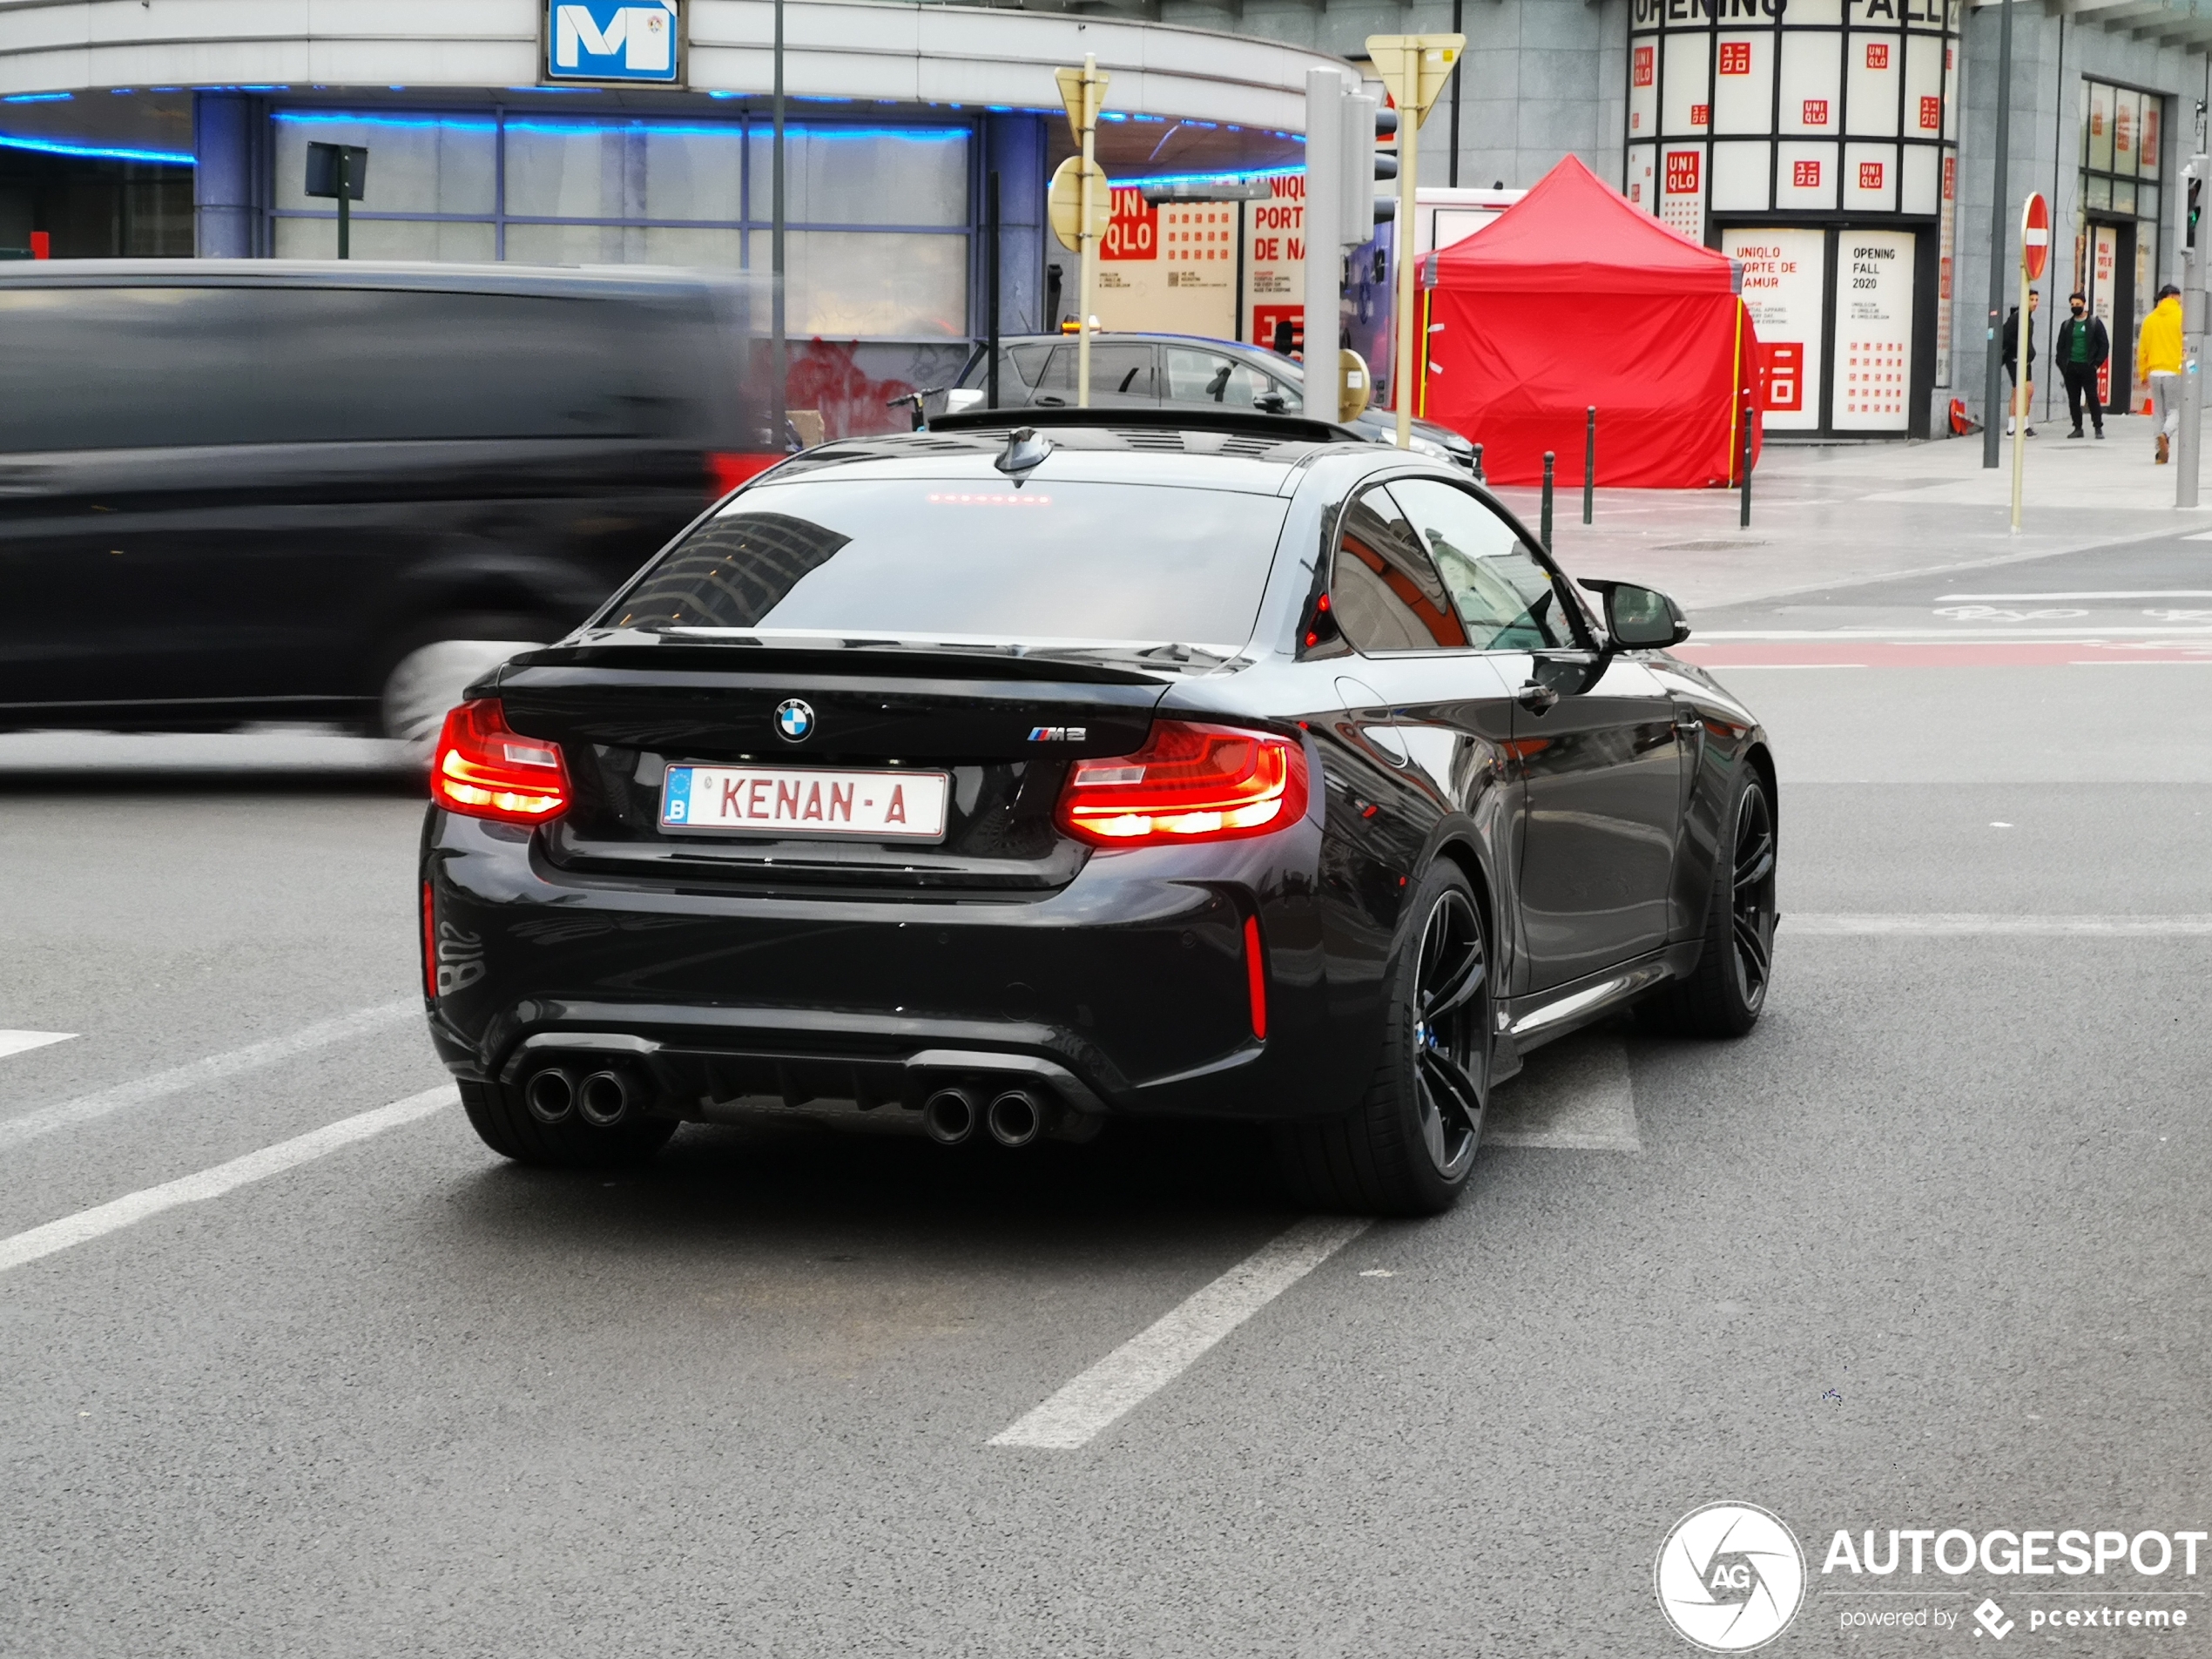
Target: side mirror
1640	619
1270	403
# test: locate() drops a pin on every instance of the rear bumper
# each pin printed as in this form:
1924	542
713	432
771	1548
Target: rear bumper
1127	991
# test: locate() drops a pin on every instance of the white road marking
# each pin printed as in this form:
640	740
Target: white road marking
102	1219
2110	593
213	1068
1941	923
1158	1355
1576	1094
24	1042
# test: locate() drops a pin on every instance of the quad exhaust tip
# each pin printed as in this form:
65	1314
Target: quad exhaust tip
550	1095
1016	1118
603	1098
949	1115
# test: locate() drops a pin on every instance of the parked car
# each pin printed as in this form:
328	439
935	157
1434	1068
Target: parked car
1152	371
250	490
1004	780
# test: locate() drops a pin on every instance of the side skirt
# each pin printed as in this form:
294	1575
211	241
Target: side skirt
1528	1022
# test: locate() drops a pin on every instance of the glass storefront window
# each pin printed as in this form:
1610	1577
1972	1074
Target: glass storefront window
2096	135
416	164
878	215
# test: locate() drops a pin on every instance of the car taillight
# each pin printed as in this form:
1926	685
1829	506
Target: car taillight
726	470
485	770
1188	783
1255	977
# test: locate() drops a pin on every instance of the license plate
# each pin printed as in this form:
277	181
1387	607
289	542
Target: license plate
802	801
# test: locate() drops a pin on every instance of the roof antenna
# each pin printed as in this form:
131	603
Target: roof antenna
1025	452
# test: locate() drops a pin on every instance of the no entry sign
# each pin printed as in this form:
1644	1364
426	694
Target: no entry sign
2035	235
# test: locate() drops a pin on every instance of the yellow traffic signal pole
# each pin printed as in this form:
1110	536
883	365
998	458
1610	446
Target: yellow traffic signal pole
1084	93
1414	69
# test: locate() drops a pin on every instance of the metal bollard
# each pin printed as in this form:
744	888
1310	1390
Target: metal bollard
1744	516
1548	502
1479	478
1589	464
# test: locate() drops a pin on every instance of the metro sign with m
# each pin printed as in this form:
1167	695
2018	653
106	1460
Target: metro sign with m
612	40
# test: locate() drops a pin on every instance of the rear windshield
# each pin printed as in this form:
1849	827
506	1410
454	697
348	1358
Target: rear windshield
1041	562
135	367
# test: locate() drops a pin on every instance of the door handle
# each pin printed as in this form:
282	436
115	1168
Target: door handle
1536	697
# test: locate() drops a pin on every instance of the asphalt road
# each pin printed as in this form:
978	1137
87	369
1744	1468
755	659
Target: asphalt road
1926	1250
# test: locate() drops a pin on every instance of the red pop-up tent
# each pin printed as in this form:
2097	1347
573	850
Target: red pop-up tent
1573	298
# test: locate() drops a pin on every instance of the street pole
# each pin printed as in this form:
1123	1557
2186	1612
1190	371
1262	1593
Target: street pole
1325	90
991	290
1993	389
2187	440
1402	239
345	205
1414	69
1088	234
2020	416
779	359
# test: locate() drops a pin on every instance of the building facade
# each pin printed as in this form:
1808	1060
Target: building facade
1843	149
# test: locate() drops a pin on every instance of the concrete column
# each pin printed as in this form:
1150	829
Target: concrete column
227	215
1015	144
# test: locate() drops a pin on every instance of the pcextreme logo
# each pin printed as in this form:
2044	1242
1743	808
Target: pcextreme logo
1730	1577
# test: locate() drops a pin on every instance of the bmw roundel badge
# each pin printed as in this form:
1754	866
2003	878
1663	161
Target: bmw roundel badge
794	720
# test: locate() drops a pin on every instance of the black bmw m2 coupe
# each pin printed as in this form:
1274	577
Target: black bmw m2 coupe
1002	780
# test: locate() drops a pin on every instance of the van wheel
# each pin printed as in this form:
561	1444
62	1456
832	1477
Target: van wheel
428	681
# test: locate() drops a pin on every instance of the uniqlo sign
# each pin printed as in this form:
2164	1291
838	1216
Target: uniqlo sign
1643	65
1736	58
1869	175
1806	175
1682	172
1816	112
1878	55
1930	114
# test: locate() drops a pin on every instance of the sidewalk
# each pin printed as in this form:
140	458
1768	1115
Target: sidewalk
1834	515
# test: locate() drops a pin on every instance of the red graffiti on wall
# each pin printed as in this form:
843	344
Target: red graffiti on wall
826	375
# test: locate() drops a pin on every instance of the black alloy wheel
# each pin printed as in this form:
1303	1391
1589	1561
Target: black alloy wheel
1407	1148
1453	969
1751	916
1725	992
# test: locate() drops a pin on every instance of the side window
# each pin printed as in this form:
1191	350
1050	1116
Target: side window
1196	376
1121	371
1503	595
1384	591
1293	399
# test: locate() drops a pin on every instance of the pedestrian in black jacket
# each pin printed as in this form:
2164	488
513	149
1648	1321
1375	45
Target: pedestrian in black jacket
2083	345
2022	376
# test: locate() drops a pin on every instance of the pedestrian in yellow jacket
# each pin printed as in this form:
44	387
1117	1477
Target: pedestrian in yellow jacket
2158	358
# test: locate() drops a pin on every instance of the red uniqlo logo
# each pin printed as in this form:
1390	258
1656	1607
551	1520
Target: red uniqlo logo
1643	65
1806	175
1682	172
1950	178
1736	58
1869	175
1816	112
1930	114
1878	54
1785	366
1700	114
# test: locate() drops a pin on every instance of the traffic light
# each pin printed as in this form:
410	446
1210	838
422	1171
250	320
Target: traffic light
1385	168
2195	205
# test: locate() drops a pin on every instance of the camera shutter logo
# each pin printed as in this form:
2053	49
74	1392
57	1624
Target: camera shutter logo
1730	1577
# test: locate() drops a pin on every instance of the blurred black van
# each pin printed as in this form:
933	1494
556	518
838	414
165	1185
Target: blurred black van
251	490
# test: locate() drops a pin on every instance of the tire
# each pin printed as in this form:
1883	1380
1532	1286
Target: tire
1407	1149
1724	993
429	675
504	1124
